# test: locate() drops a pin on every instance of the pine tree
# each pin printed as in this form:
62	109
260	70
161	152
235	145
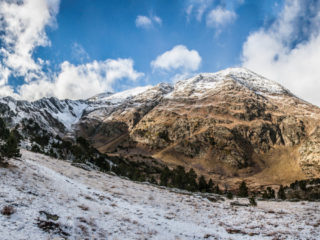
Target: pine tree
192	183
217	190
303	185
229	195
271	193
281	193
164	176
202	184
243	189
252	201
179	179
210	186
4	132
11	149
265	195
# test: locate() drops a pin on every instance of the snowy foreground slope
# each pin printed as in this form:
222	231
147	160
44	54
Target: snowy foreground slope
93	205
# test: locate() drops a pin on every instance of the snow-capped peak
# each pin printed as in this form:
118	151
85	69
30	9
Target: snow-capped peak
100	96
139	93
253	81
124	95
203	83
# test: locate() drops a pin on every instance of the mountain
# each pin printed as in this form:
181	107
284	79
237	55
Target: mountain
229	125
56	116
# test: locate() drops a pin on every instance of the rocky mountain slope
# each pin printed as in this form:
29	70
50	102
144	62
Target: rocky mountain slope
227	125
51	199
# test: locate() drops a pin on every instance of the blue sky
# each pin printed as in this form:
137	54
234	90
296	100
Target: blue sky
73	49
107	29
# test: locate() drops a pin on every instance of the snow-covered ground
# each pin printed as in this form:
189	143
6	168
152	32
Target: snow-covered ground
93	205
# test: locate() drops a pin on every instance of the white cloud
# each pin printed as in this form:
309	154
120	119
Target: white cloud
23	24
198	8
220	17
289	50
7	90
178	58
147	22
157	20
78	52
82	81
4	75
23	29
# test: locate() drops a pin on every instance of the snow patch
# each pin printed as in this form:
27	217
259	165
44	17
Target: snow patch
96	205
203	83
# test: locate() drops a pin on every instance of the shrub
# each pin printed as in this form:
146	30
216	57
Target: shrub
7	210
281	193
243	189
252	201
229	195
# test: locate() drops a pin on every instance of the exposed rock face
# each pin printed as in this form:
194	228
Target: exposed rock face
109	120
310	154
57	116
230	123
227	121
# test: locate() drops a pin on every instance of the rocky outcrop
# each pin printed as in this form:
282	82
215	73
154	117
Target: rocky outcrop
310	154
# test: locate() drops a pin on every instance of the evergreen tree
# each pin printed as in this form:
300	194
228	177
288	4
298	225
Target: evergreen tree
164	176
303	185
4	132
281	193
217	190
11	149
265	195
153	180
268	194
210	186
229	195
243	189
271	193
202	184
191	178
179	179
252	201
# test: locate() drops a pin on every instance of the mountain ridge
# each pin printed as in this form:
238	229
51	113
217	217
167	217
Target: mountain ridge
230	124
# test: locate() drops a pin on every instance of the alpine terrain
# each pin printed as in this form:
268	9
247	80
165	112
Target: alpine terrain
163	162
229	125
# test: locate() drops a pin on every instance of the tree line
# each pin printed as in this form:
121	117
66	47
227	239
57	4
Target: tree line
81	151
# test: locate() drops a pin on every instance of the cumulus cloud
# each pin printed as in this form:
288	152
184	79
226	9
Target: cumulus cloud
288	51
178	58
220	17
22	25
147	22
81	81
22	30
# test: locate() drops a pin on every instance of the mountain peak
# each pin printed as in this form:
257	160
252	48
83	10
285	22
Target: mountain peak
203	83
